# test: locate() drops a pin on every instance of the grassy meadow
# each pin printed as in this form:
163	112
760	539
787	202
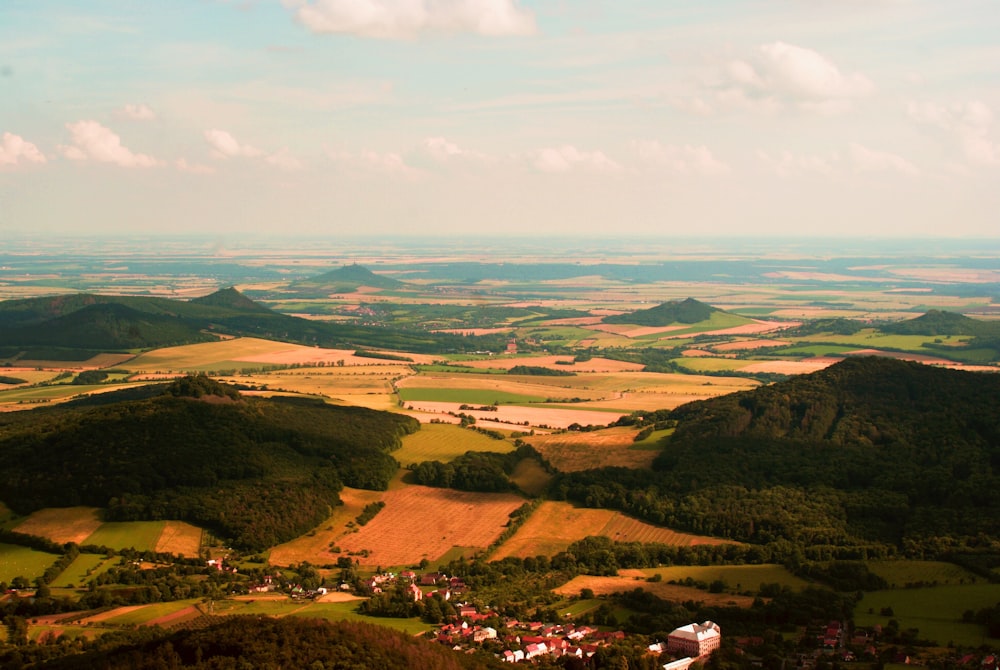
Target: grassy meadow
936	612
737	578
16	561
445	442
140	535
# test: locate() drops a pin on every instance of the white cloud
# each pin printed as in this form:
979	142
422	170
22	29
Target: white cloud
373	161
787	164
284	160
443	150
685	159
92	141
971	123
137	112
15	149
568	157
224	145
403	19
779	74
871	160
194	168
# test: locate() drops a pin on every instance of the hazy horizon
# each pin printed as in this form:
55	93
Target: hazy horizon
496	119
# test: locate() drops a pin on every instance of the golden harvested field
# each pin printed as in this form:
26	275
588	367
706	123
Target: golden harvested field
65	524
180	538
314	547
743	345
574	451
422	522
241	352
515	416
556	525
526	385
602	586
331	382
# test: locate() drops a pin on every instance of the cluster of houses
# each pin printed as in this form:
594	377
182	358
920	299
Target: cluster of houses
526	641
449	586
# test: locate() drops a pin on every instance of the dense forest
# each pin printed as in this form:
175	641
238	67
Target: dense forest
258	471
251	642
483	471
869	452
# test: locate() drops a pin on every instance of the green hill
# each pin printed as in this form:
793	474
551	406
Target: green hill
258	471
938	322
107	326
230	298
870	451
686	311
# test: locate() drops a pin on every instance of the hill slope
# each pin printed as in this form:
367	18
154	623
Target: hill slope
260	471
869	450
938	322
683	311
346	279
113	323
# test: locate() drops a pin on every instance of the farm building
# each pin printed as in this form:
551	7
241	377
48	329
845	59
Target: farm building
680	664
696	640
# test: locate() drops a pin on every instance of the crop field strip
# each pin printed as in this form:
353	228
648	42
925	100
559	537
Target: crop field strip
736	577
140	535
421	522
555	525
603	586
575	451
63	524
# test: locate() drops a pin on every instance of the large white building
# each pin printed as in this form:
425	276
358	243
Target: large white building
696	640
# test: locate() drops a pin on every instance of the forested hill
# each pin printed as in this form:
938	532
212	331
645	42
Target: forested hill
938	322
682	311
261	642
114	323
870	450
259	471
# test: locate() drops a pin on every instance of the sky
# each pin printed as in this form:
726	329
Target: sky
456	118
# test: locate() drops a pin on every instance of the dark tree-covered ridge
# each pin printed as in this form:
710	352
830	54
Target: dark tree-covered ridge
259	471
868	450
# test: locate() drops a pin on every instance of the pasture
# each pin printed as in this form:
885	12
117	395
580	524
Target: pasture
84	568
17	561
445	442
470	396
738	578
556	525
139	535
900	574
935	611
422	522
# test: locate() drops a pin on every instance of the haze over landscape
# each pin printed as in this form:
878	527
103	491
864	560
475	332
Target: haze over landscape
329	117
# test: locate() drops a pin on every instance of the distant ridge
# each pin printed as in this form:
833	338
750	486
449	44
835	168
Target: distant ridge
688	311
346	279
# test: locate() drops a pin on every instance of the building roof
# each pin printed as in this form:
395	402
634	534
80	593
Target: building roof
698	631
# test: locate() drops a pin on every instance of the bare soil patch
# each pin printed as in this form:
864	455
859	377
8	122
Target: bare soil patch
422	522
62	525
111	614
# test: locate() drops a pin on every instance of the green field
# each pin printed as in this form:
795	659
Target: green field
738	578
578	607
812	350
936	612
709	364
148	613
932	573
445	442
140	535
342	611
76	575
18	561
465	396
